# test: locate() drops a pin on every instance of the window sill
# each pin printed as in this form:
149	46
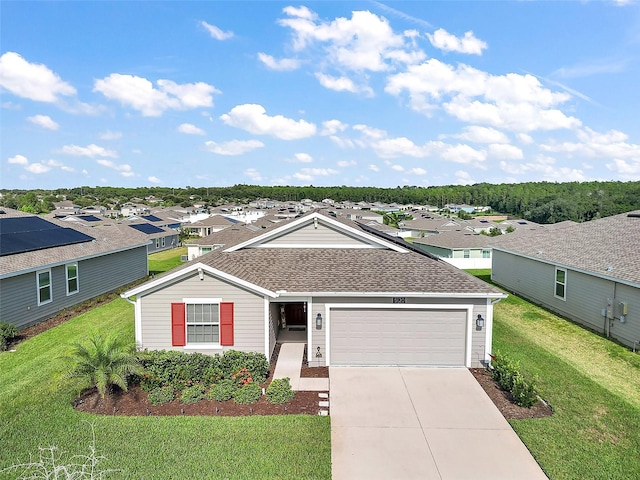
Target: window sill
203	346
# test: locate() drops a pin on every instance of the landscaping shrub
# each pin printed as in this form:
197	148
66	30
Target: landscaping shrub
181	370
161	395
222	391
279	391
250	393
192	394
8	332
507	373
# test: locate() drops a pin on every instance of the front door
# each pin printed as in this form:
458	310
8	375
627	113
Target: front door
296	315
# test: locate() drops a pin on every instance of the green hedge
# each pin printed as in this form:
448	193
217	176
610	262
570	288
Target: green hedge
507	373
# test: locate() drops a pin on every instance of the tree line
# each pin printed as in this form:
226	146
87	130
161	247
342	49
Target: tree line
541	202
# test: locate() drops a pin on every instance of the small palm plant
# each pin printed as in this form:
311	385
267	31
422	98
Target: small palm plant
104	361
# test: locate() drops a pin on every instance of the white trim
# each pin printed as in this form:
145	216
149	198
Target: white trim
194	268
201	300
368	238
468	326
556	283
46	270
488	325
267	331
297	295
310	326
77	278
137	309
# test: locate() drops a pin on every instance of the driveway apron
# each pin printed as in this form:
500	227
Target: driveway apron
420	423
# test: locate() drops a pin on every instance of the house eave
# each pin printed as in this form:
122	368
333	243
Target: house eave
285	293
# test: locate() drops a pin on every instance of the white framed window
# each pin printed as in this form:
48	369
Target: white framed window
163	241
486	253
202	321
204	250
466	253
43	279
157	242
561	284
72	278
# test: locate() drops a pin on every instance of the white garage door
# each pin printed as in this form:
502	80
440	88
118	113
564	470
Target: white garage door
387	336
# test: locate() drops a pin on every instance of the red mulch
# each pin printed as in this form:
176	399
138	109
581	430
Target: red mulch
503	399
134	402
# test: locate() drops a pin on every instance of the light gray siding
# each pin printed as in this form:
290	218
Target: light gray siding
438	251
274	319
96	276
478	337
170	241
309	235
249	314
586	295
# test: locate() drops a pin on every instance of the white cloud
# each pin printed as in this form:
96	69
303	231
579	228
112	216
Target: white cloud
308	174
215	32
92	151
547	168
448	42
397	168
18	160
418	171
190	129
331	127
525	138
511	101
109	135
342	142
32	80
346	163
44	121
123	169
253	174
592	144
373	168
505	151
60	165
153	179
342	84
303	157
253	118
37	168
283	64
463	178
140	94
233	147
628	170
365	42
478	134
370	132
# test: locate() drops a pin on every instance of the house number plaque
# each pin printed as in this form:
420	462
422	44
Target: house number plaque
399	300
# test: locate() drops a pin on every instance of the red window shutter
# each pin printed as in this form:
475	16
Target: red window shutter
226	323
178	325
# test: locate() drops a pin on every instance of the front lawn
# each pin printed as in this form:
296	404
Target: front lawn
592	384
35	413
166	260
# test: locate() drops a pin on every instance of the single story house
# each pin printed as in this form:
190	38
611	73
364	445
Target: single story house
353	296
463	249
587	272
48	265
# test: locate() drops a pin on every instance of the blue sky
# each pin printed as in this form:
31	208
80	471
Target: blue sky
318	93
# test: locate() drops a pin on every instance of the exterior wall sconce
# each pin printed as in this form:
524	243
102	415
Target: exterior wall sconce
319	322
200	273
480	322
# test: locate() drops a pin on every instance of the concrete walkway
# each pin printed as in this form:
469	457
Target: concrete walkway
289	364
420	423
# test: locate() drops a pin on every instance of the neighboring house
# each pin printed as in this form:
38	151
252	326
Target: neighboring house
158	238
587	272
46	266
129	209
66	207
354	297
208	225
228	236
463	249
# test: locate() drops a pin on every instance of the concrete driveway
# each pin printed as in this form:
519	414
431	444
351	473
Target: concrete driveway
422	423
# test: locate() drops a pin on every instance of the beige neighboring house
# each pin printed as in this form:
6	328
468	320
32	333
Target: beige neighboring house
354	298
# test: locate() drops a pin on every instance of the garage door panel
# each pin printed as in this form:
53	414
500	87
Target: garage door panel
381	336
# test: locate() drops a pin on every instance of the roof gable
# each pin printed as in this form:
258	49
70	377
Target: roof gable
317	231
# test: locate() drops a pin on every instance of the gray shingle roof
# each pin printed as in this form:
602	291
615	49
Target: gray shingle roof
608	247
456	239
344	270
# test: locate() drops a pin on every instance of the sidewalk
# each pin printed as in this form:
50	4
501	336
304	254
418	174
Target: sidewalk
289	364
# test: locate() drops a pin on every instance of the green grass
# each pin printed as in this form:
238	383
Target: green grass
36	412
592	384
166	260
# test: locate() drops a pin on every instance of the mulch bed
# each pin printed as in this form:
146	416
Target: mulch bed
134	402
504	401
